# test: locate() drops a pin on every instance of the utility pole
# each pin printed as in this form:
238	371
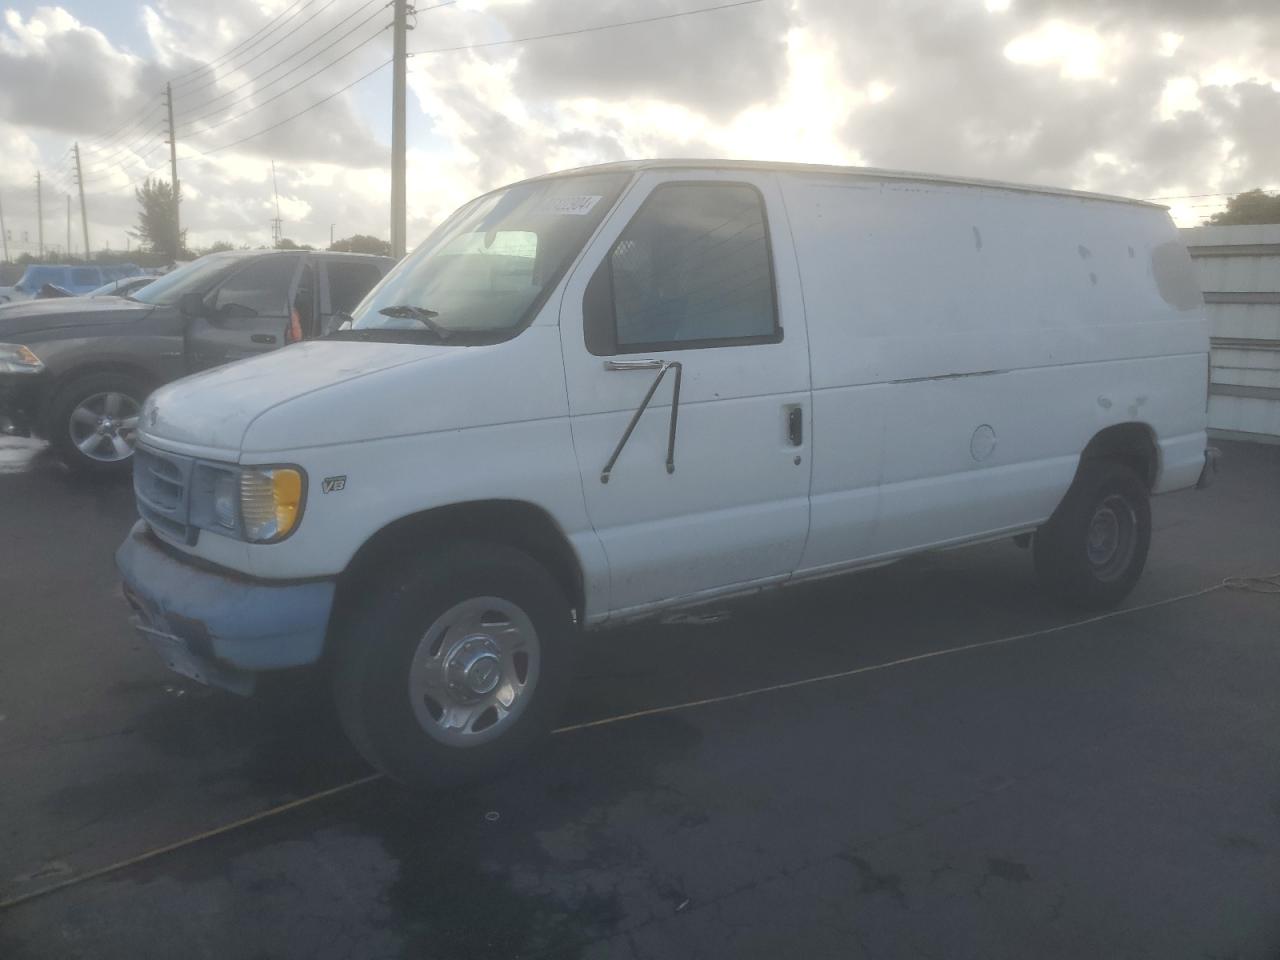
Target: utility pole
4	233
40	215
277	225
68	226
84	217
173	168
399	58
331	226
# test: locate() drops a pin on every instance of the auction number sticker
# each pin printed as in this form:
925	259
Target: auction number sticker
569	206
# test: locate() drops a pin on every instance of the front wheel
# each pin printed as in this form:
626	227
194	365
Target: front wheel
93	422
454	666
1094	547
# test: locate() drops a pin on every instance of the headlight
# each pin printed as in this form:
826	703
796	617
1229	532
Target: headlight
258	504
15	358
270	502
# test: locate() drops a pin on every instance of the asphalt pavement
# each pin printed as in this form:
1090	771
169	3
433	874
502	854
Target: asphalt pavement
955	768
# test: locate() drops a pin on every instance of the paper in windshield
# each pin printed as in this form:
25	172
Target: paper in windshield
578	206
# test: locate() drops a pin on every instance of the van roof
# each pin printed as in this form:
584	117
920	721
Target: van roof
876	173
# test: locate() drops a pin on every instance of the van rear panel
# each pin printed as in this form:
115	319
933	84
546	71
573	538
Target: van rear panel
967	342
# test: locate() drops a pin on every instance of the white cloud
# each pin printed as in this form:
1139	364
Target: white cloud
1145	97
1078	52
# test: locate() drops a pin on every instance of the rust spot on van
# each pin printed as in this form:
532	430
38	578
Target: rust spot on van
977	239
1104	403
1085	252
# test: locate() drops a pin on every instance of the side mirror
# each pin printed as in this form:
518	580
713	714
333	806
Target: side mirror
191	305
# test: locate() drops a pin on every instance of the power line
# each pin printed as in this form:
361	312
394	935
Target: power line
132	183
581	30
565	33
141	159
287	90
248	42
1215	205
291	70
288	36
1187	196
126	129
281	123
111	158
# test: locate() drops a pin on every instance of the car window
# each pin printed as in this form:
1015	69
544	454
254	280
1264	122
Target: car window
37	277
349	281
693	268
262	286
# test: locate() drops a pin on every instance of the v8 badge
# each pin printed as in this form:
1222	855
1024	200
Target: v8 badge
333	484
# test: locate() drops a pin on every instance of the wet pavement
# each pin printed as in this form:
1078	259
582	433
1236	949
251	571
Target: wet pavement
1107	789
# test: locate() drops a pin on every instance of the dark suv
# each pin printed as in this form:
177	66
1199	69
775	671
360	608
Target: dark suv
76	371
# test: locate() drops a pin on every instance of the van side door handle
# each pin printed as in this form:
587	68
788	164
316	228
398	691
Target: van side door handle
795	426
263	338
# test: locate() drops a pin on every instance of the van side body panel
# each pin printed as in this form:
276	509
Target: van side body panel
506	436
968	342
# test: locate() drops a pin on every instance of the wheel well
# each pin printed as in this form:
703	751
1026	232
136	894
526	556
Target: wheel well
515	523
88	370
1130	443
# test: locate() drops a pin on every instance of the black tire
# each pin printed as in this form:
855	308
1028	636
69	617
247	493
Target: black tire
58	426
378	636
1073	552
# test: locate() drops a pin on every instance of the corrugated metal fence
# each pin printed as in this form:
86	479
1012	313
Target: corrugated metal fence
1239	269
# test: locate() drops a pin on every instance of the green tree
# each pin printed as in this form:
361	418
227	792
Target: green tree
286	244
218	246
362	243
158	218
1252	206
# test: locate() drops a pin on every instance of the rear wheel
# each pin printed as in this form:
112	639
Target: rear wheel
454	666
1094	547
93	422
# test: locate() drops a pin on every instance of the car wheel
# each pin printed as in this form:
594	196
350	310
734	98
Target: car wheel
1094	547
93	422
454	667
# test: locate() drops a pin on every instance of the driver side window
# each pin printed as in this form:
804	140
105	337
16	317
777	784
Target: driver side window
260	289
693	269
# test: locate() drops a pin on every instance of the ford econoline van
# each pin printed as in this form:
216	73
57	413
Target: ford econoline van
600	394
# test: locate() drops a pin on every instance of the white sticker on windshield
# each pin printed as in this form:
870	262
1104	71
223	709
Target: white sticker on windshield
568	206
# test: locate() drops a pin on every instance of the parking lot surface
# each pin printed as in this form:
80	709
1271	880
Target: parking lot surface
966	771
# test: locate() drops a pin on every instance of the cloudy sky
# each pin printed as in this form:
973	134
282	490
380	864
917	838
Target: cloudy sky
1148	98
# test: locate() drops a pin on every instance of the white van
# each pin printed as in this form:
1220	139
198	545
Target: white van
596	395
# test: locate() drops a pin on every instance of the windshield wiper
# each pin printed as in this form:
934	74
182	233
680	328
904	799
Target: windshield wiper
421	314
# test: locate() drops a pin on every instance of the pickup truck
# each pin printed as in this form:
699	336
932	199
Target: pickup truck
77	370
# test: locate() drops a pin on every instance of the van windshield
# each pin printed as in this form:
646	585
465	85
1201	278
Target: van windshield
483	273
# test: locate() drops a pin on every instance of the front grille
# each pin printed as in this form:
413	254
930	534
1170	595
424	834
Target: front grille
161	483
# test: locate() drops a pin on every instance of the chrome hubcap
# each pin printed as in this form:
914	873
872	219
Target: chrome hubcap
1111	537
104	426
474	671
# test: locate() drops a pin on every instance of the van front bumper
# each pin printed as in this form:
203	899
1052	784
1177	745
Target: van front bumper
215	626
